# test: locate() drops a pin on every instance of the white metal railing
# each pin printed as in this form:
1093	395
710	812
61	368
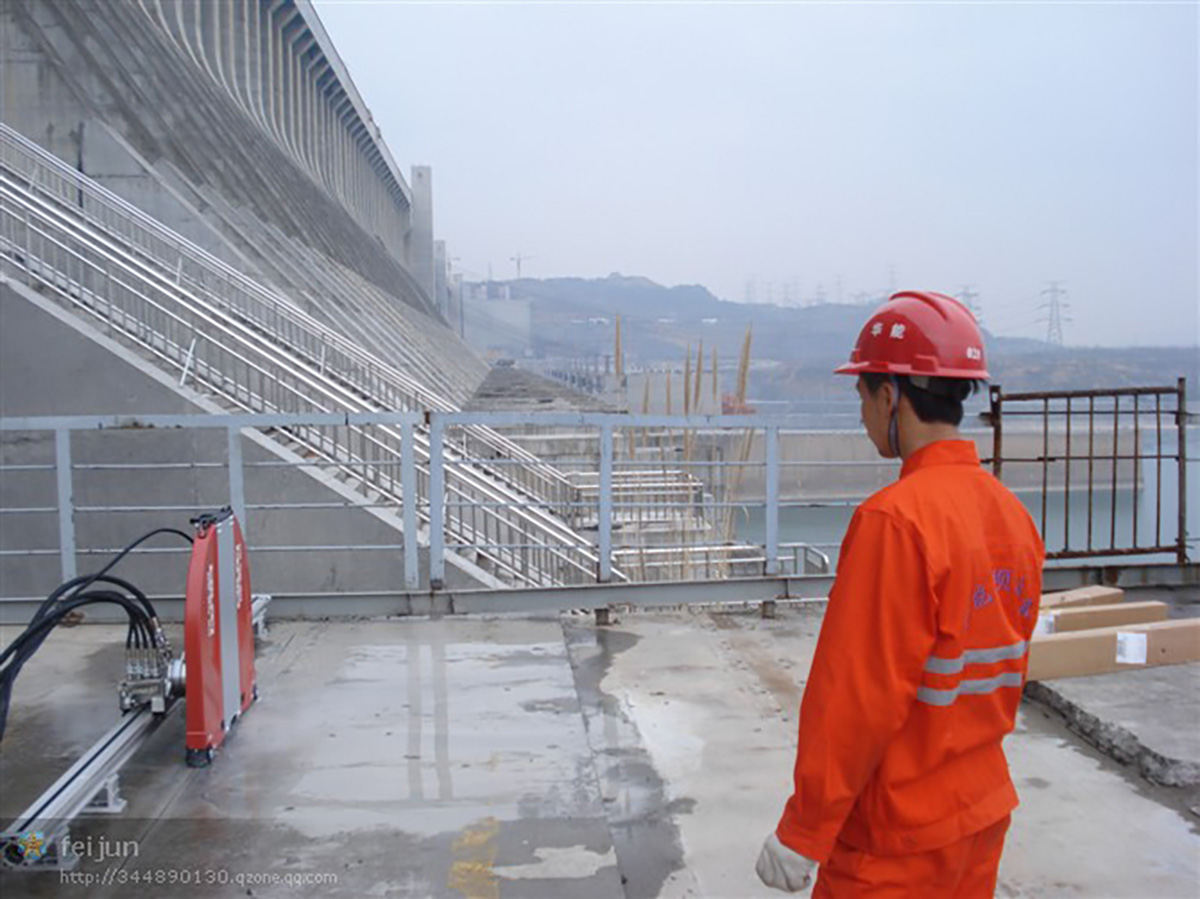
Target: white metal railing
41	174
778	550
220	350
73	463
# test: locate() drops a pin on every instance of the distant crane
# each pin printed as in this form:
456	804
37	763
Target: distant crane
1055	308
518	259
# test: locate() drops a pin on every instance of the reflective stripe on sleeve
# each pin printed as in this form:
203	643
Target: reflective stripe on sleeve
940	665
969	687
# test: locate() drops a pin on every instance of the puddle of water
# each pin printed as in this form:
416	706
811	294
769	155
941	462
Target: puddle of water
644	833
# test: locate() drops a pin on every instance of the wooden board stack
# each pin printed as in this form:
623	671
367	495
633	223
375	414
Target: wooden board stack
1091	630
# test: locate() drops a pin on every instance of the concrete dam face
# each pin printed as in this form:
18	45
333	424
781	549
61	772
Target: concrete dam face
198	214
236	125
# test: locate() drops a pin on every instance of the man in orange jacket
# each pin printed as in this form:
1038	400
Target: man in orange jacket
901	785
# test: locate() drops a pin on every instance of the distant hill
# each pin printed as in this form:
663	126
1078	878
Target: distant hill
576	317
795	348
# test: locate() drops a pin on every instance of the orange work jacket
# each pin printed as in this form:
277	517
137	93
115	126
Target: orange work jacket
919	666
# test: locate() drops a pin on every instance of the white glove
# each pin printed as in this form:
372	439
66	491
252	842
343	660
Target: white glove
783	868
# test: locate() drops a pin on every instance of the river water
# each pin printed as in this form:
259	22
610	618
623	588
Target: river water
1157	518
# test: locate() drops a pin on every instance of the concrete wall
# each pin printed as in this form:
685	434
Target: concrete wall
421	238
75	371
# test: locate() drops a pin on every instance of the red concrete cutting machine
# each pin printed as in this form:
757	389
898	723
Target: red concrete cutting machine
216	674
218	639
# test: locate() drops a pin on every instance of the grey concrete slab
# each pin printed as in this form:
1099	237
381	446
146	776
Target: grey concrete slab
1148	718
414	758
524	757
714	699
508	389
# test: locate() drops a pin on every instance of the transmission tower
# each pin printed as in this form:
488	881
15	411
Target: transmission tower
1056	307
968	297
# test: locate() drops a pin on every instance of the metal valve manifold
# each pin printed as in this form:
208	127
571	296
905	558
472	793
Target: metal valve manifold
148	675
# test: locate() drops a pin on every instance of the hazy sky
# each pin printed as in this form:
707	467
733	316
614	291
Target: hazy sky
805	146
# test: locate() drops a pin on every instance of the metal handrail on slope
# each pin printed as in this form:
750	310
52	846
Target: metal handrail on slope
248	370
221	282
232	366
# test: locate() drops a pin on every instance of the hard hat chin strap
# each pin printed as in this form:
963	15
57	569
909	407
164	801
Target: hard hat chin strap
894	419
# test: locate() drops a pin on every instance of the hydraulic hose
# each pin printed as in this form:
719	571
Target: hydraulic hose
144	630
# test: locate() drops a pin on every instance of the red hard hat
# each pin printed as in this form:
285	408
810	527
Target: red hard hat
919	333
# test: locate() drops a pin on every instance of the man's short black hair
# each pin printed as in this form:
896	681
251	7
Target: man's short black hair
937	400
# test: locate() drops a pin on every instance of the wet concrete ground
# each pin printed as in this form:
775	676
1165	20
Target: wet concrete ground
522	758
717	713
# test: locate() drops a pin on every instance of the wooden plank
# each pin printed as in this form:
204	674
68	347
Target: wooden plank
1079	618
1104	650
1082	596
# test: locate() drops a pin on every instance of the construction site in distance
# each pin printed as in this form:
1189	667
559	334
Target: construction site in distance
307	598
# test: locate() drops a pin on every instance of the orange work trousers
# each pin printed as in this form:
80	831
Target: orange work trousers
962	870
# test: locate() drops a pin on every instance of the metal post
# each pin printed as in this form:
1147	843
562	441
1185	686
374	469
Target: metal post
1091	463
1158	457
187	362
1116	454
1067	484
997	430
437	505
1046	464
1137	464
605	503
772	510
237	478
408	492
1181	551
66	503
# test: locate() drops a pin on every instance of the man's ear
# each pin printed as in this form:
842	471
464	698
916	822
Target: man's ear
891	393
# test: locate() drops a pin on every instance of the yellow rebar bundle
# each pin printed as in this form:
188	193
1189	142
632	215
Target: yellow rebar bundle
618	357
744	369
743	456
687	380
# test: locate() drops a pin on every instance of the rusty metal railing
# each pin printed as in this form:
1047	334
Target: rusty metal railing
1095	449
